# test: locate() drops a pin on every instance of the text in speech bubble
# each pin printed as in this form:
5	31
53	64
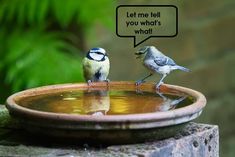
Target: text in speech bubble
142	22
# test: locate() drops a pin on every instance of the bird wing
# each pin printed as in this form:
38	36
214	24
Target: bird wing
161	61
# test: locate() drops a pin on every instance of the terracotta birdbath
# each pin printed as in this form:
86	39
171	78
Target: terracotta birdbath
105	126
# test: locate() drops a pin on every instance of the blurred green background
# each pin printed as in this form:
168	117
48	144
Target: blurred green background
43	42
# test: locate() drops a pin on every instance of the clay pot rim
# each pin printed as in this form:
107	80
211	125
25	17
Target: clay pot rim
190	110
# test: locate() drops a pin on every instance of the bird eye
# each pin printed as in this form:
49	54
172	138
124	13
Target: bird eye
99	53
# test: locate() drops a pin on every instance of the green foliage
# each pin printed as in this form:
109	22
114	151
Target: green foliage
38	59
34	12
36	40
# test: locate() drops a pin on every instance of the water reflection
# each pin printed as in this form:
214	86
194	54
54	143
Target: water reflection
169	103
96	103
105	102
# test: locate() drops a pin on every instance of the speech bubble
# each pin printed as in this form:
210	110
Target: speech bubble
143	22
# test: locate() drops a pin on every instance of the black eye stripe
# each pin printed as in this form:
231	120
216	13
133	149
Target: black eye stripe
139	53
100	53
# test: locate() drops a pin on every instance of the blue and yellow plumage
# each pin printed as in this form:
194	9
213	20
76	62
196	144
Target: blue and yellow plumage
96	65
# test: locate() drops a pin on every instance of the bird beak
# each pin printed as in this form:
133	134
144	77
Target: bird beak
138	55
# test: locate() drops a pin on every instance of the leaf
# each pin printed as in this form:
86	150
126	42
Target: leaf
42	11
10	10
2	10
32	7
39	59
35	12
65	12
21	12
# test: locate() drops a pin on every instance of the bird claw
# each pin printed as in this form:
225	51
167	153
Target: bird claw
137	83
138	91
107	80
159	85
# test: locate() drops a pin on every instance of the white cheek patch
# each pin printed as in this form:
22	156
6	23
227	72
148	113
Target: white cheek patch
96	56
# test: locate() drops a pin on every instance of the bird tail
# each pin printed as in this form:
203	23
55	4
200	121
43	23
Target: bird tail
183	68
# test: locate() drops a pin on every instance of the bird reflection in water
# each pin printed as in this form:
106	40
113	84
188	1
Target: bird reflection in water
169	103
104	102
99	102
96	103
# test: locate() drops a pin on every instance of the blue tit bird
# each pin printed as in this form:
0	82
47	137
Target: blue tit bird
96	65
156	62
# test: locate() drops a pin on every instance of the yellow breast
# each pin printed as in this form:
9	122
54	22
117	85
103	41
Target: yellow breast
90	67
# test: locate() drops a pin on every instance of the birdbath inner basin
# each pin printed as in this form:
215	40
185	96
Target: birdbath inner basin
106	113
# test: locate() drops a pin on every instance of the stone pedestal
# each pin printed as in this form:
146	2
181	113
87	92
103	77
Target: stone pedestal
196	140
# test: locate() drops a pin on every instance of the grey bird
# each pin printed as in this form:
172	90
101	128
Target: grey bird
156	62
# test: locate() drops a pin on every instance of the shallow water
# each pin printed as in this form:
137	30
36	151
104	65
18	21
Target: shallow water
103	102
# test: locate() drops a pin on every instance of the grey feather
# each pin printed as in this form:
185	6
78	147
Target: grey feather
161	61
182	68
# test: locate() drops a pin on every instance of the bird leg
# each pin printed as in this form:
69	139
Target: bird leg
142	80
177	101
160	82
161	95
89	82
138	91
107	80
